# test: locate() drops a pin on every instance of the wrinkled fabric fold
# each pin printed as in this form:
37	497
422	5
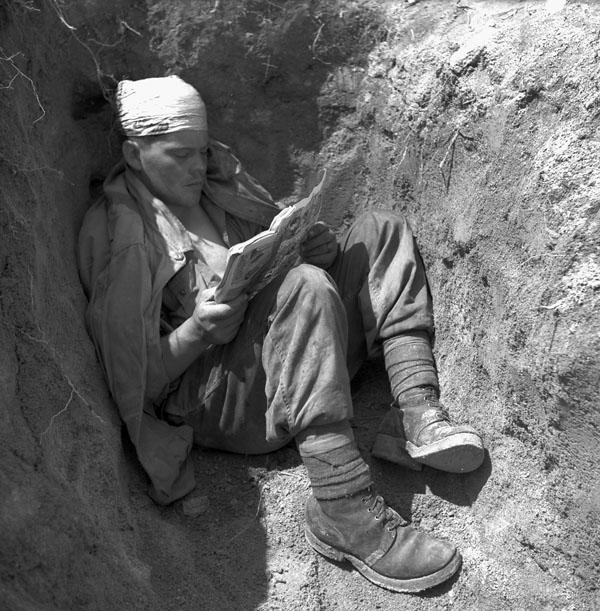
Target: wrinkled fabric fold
284	372
382	283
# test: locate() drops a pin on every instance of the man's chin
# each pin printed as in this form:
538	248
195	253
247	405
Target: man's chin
187	200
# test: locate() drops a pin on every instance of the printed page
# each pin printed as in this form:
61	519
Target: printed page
291	229
244	262
251	265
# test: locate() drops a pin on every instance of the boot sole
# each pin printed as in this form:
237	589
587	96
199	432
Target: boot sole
416	584
458	453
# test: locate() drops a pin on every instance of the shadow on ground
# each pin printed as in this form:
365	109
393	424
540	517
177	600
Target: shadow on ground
215	559
398	484
247	539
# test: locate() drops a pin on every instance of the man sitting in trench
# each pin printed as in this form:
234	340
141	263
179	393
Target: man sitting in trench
249	376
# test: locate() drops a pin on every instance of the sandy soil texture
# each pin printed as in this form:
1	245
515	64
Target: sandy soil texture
479	120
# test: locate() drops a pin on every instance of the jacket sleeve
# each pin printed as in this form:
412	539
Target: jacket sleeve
123	318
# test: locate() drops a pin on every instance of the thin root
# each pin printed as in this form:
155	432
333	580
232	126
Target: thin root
19	72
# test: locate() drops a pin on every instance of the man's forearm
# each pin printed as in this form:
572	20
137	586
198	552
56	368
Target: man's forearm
182	347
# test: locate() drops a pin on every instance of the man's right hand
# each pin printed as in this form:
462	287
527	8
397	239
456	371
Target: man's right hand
219	322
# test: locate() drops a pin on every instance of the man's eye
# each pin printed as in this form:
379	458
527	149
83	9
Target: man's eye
181	154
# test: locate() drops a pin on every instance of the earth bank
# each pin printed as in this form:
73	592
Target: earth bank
479	122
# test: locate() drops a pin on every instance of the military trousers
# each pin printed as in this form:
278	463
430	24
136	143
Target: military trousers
303	337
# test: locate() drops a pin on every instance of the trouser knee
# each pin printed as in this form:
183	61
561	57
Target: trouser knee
370	227
311	287
304	354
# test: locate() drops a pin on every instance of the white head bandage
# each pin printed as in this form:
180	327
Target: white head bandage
154	106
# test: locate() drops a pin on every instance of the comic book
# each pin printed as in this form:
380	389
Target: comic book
252	264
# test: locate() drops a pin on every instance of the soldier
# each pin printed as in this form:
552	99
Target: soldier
251	375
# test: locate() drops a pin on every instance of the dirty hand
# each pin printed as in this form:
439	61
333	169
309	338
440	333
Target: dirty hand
219	322
320	246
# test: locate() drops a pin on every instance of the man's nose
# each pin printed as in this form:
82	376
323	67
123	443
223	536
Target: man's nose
198	167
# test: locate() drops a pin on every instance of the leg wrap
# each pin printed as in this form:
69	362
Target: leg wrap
337	473
409	362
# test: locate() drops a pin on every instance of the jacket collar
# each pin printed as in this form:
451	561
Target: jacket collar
154	209
122	183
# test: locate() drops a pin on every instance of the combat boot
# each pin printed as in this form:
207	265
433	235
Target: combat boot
418	431
377	541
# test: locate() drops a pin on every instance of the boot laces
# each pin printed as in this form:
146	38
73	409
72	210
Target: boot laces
437	418
438	414
378	506
430	400
440	411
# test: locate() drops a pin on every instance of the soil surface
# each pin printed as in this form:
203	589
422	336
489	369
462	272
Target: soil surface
479	121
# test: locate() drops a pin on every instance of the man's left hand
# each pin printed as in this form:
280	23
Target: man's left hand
320	246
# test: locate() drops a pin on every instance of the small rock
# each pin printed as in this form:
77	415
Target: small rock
465	57
195	506
471	52
591	101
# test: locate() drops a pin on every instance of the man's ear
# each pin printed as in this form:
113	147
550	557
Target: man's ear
131	154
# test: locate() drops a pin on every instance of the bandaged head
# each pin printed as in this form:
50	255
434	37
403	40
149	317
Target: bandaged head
154	106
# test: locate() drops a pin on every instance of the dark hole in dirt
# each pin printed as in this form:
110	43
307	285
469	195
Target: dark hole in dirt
95	186
87	99
529	96
464	249
4	21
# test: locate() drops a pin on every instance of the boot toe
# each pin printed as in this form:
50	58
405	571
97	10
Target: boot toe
416	555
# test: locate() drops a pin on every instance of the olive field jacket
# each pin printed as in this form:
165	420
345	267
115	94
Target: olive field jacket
130	246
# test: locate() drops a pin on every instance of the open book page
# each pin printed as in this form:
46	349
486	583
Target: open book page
291	229
251	265
245	261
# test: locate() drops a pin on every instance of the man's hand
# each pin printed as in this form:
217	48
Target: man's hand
219	322
211	323
320	246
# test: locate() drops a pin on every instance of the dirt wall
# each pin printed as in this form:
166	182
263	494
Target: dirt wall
478	122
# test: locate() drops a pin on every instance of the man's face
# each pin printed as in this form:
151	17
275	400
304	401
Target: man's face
173	166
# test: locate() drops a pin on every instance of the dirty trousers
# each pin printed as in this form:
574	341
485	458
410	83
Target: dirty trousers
303	337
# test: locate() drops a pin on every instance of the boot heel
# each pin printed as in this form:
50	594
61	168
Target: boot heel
389	448
322	548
